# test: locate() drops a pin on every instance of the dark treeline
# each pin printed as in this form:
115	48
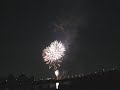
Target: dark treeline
102	80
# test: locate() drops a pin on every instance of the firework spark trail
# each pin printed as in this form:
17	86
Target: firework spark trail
53	54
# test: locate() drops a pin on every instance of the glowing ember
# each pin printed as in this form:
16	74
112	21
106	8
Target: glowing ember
57	73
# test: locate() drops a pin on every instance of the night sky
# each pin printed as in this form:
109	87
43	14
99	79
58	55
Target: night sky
90	30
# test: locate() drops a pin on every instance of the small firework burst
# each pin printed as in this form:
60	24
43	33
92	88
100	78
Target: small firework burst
53	54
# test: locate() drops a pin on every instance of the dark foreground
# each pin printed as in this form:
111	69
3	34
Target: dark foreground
103	80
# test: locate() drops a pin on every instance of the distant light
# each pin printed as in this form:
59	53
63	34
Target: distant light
57	84
48	78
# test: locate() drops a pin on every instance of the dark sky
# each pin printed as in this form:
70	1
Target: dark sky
92	33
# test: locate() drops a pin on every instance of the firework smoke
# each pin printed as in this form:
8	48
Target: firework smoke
53	54
67	26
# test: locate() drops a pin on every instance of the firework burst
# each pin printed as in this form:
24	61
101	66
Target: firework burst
53	54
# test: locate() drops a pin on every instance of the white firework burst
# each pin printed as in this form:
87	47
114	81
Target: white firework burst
53	54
